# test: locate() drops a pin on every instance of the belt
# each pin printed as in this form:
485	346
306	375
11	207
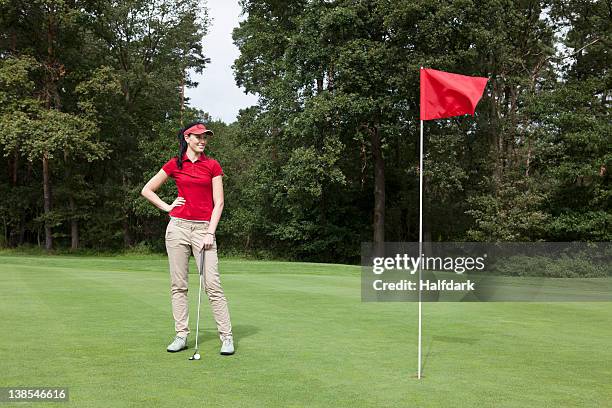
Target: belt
189	223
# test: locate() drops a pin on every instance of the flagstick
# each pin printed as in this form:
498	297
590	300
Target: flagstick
471	89
420	242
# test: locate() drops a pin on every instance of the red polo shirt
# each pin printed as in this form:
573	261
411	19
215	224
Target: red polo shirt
194	183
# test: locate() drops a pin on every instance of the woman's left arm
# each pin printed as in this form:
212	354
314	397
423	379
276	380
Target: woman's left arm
217	188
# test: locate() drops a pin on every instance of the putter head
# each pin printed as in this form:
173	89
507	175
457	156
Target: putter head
196	356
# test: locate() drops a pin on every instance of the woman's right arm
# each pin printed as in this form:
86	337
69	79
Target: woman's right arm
148	192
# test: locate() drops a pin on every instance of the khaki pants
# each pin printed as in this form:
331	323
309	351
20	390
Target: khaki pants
183	237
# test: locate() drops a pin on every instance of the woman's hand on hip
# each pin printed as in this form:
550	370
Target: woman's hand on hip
209	240
176	203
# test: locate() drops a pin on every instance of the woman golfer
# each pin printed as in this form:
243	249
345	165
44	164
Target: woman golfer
194	216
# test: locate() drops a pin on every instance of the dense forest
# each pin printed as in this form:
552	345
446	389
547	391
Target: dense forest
92	97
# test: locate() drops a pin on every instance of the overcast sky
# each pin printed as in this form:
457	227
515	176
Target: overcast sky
217	92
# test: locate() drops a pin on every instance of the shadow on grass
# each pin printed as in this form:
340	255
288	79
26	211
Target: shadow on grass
444	339
239	331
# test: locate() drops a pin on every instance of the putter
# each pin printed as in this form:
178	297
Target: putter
196	355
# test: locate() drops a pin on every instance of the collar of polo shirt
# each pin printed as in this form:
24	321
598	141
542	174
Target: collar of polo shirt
201	158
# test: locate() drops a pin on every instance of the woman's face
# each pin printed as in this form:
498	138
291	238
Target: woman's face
197	143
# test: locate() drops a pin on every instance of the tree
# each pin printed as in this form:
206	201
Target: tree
575	155
348	70
48	30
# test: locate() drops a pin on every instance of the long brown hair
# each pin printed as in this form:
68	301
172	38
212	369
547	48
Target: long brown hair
183	143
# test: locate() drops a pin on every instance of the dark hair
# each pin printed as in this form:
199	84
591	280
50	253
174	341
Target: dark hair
183	143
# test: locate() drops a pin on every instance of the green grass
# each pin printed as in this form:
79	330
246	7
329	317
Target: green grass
99	325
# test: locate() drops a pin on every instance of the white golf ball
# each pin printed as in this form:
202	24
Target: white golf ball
196	356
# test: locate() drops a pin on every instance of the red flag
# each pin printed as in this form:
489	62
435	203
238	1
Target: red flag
444	94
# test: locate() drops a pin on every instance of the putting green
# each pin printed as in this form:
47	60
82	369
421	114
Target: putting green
100	325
